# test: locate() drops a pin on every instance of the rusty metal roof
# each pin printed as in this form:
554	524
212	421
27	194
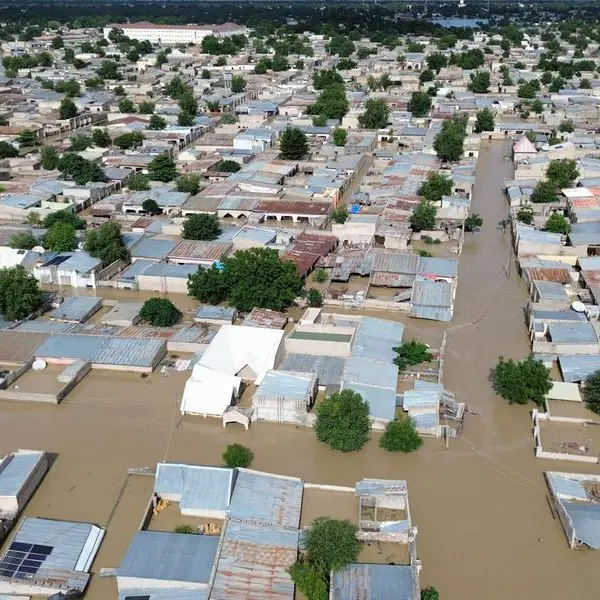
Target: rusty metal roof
19	346
199	250
562	275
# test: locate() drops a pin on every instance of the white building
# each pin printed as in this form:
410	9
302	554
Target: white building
173	34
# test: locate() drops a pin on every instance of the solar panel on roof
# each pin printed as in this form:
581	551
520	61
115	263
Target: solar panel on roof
22	561
137	598
40	549
20	546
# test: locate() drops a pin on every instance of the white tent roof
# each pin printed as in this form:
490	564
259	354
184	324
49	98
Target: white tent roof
209	392
235	347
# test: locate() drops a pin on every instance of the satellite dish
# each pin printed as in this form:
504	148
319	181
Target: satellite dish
39	365
38	249
578	306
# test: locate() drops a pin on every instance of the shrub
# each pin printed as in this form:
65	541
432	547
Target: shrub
159	312
184	529
236	455
401	436
411	353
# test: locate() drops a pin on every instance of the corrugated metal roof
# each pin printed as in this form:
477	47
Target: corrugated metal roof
153	248
170	593
585	520
67	538
199	250
565	488
77	308
15	469
382	401
374	582
370	372
170	557
381	487
558	315
196	487
551	291
220	313
573	333
253	563
327	368
44	326
293	387
578	367
161	269
375	338
267	499
431	300
19	346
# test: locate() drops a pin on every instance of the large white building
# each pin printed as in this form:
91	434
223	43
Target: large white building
173	34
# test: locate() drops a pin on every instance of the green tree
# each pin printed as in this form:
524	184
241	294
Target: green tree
449	143
157	123
411	353
185	119
340	214
201	227
526	90
321	276
228	166
566	126
126	106
525	215
426	76
151	207
250	278
28	137
228	119
485	121
430	593
423	216
70	87
331	544
23	241
49	156
109	69
558	223
314	298
188	184
473	222
57	43
162	168
63	216
101	138
537	107
585	84
106	243
160	312
480	82
519	382
310	580
7	150
544	191
436	186
205	74
146	108
80	170
80	142
237	456
20	295
436	61
293	144
343	421
400	436
325	78
419	104
591	392
61	237
340	136
562	172
138	182
331	103
67	109
238	84
376	115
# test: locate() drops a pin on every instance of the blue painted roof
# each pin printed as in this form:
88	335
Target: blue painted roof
585	520
578	367
328	368
15	471
170	557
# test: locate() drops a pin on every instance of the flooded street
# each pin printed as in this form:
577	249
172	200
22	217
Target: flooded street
485	530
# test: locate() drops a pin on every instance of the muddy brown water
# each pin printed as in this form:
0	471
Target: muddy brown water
485	531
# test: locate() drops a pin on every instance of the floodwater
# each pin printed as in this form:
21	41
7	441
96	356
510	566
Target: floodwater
485	531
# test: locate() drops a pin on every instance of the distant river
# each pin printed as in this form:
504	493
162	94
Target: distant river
458	22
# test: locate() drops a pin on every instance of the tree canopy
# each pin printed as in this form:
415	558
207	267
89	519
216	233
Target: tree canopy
411	353
544	191
473	222
485	121
340	214
237	456
201	227
227	166
23	240
162	168
101	138
63	216
151	207
188	184
160	312
343	421
310	580
67	109
106	243
449	143
331	544
423	216
376	115
79	169
156	123
50	157
520	382
562	172
340	136
558	223
401	436
591	392
293	144
480	82
61	237
138	182
7	150
331	103
19	293
430	593
419	104
436	186
250	278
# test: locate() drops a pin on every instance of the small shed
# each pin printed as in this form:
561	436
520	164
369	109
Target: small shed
20	474
77	309
217	315
123	314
